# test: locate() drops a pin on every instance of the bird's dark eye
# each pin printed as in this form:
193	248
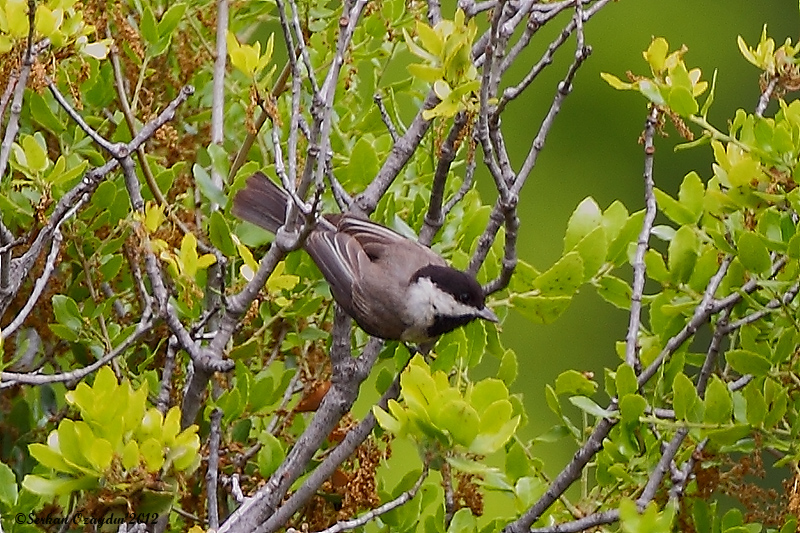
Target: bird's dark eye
463	297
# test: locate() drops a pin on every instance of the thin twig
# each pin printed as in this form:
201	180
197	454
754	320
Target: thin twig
642	243
403	498
11	378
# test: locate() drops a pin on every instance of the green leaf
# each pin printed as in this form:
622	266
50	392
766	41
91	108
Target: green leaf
675	210
152	453
656	54
684	398
41	112
220	234
753	253
631	407
147	25
16	12
588	405
756	404
682	254
625	380
271	454
586	218
209	189
615	82
169	21
541	309
682	101
51	458
57	487
487	443
552	400
574	383
691	194
363	164
618	249
718	403
459	419
67	312
486	392
8	486
563	278
614	290
508	367
747	362
463	522
593	250
35	153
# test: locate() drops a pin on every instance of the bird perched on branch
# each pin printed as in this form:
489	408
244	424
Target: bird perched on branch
393	287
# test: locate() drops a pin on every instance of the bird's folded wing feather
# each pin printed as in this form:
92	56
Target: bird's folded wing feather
378	240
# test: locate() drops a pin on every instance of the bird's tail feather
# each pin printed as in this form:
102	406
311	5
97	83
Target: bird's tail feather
261	202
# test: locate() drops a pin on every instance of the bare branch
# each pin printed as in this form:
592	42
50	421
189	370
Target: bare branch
213	464
11	378
642	244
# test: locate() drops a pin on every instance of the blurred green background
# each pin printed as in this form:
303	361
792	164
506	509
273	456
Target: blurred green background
592	151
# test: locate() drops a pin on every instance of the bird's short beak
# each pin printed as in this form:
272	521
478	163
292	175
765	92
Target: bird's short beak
488	314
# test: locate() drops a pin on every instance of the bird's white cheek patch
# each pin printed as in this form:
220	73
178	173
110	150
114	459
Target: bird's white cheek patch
426	301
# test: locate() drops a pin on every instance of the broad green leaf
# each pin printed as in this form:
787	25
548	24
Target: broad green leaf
57	487
588	405
41	112
631	407
756	405
614	290
541	309
552	400
363	164
485	444
67	312
593	250
618	249
147	25
563	278
270	455
508	367
460	420
152	453
682	254
51	458
574	383
718	403
35	153
586	218
169	21
16	12
656	54
684	398
691	194
209	189
130	455
625	380
8	486
486	392
753	253
747	362
675	210
682	101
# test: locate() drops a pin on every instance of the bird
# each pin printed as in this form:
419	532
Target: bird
393	287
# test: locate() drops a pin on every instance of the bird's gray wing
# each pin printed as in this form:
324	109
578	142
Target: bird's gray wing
378	241
340	258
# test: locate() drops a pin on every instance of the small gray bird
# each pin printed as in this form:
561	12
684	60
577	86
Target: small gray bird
393	287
